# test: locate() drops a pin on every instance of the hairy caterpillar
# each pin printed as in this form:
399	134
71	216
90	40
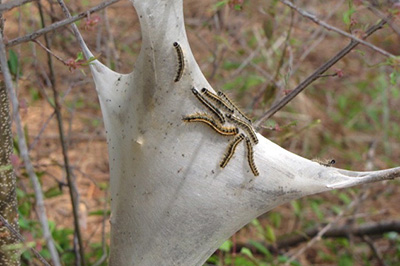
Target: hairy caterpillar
250	157
326	163
204	118
243	125
223	96
181	61
209	105
216	99
231	149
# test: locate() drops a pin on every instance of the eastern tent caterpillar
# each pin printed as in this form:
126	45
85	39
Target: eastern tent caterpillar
326	163
231	149
209	105
204	118
223	96
250	157
181	61
243	125
216	99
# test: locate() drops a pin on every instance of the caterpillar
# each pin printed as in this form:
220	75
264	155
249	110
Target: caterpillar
243	125
204	118
250	157
231	149
326	163
209	105
181	61
223	96
216	99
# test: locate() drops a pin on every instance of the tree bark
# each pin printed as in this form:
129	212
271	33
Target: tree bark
8	198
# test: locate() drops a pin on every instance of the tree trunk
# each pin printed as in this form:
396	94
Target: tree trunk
8	198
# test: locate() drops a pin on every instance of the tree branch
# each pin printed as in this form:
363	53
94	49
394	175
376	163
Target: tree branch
367	229
12	4
337	30
317	73
59	24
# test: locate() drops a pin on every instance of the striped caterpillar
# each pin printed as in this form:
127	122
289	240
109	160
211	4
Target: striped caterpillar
327	163
223	96
181	61
243	125
250	157
205	118
231	149
209	105
216	99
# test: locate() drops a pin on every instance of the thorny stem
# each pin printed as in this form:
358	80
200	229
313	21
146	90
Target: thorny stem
40	208
317	73
57	109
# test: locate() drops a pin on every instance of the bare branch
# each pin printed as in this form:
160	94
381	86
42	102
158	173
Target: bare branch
381	15
367	229
332	28
59	24
12	4
317	73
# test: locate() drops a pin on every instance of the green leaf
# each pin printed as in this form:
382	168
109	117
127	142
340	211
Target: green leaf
347	16
297	207
79	57
270	234
393	77
13	62
53	192
343	197
345	260
315	207
260	247
276	219
226	246
247	252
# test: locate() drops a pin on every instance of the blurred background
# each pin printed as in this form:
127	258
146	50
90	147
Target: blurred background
257	51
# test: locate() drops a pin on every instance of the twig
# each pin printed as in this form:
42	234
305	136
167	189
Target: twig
21	238
381	15
103	232
59	24
275	108
12	4
57	109
326	228
378	255
50	52
367	229
40	208
332	28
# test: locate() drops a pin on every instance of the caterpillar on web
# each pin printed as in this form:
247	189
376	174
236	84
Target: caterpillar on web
209	105
231	149
181	61
250	157
223	96
208	120
247	127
